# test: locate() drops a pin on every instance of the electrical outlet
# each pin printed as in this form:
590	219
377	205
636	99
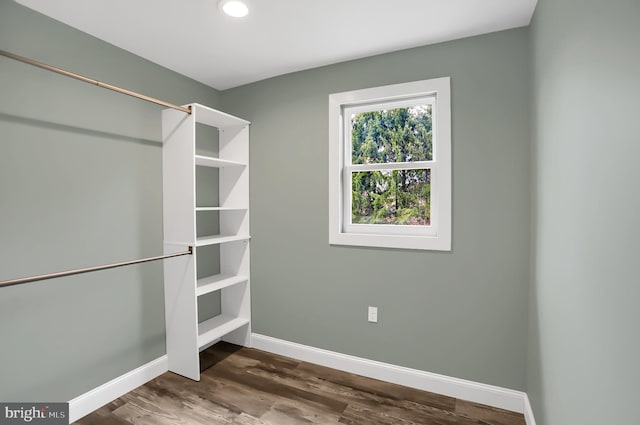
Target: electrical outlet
373	314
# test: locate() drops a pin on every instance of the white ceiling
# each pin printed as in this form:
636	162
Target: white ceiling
278	36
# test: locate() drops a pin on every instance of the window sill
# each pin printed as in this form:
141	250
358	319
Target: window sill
432	243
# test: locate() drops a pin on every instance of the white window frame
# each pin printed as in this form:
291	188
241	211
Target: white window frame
437	235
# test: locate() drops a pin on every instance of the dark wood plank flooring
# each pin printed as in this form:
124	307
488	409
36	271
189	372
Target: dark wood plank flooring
242	386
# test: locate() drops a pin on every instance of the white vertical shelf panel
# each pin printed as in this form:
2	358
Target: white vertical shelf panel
184	334
178	178
178	199
181	315
235	257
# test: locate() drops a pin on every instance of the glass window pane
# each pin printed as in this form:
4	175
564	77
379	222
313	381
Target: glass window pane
400	197
394	135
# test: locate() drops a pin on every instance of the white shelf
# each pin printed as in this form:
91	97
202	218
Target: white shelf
218	239
215	118
209	161
217	327
217	282
220	209
181	217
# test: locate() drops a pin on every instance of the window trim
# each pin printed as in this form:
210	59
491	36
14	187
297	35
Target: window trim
437	236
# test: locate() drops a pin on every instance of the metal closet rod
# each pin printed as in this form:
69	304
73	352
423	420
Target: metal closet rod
94	82
22	280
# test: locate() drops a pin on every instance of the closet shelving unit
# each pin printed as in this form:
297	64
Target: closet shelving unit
183	287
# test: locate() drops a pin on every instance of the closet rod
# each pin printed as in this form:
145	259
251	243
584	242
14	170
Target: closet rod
22	280
94	82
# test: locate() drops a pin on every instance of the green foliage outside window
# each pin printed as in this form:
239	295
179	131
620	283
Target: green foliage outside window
392	196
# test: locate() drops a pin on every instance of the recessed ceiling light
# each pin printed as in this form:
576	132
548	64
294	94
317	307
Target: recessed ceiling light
234	8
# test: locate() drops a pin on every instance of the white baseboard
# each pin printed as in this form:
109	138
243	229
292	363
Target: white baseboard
453	387
528	412
106	393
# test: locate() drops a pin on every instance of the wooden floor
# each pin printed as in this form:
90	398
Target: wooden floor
244	386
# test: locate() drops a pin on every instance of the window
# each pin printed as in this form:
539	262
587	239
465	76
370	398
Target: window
390	166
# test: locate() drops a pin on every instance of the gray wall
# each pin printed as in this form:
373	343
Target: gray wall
80	185
461	313
583	341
